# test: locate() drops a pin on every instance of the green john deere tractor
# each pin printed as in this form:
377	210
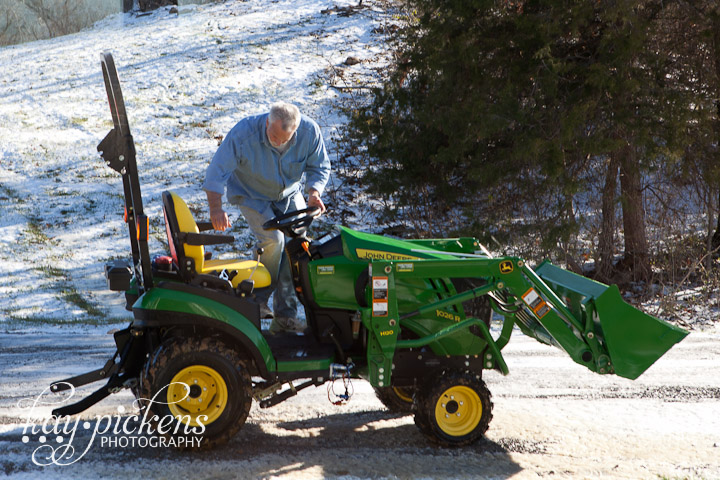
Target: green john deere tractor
412	317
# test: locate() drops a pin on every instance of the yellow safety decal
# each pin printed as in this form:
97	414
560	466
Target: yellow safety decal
364	254
405	267
506	267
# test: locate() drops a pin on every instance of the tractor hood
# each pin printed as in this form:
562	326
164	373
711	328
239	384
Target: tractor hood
367	246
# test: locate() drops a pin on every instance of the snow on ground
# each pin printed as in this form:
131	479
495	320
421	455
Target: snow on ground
187	79
551	419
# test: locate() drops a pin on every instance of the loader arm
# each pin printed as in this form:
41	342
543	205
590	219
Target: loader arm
592	324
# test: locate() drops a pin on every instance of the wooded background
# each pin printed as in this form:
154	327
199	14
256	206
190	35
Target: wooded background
584	131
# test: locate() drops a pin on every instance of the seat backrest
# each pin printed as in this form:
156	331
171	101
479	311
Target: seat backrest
178	218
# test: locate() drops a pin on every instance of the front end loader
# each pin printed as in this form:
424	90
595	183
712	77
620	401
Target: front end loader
412	317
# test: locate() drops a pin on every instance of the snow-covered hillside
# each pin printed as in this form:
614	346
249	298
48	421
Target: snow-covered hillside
187	78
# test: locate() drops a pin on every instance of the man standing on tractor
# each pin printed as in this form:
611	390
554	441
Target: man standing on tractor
262	162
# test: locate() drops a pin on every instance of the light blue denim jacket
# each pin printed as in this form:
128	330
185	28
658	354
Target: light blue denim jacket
257	174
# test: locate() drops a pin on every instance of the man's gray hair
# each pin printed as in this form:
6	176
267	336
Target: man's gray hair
287	114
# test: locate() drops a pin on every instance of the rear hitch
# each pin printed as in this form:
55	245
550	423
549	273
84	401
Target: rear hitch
121	371
271	398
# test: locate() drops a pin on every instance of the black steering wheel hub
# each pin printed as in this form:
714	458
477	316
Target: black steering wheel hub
295	223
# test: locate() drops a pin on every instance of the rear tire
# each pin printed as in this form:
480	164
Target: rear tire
396	399
454	409
203	385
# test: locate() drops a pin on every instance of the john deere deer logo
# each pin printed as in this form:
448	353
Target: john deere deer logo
506	266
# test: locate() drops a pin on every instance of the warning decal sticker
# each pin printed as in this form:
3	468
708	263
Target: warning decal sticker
405	267
536	303
380	296
326	269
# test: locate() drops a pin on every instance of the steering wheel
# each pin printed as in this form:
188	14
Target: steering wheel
295	223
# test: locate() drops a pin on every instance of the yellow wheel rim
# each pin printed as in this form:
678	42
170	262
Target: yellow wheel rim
402	394
197	390
458	411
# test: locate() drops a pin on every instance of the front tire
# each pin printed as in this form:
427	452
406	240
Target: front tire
454	411
202	384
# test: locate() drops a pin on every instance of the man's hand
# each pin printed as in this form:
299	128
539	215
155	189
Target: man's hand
218	217
315	201
220	220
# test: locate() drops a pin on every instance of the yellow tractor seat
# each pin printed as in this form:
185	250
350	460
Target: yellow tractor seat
244	269
187	246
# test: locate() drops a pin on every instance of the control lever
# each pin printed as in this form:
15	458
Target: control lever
247	286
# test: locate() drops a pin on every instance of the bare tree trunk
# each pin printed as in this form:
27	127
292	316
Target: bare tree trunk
636	245
13	24
606	241
59	17
715	243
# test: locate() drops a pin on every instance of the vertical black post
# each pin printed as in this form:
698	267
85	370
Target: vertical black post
118	150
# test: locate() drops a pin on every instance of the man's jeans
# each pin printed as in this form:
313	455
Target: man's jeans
274	258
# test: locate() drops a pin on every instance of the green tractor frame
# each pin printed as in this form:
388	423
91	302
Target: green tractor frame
412	317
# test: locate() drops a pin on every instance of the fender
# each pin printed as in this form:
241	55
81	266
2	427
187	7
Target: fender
171	304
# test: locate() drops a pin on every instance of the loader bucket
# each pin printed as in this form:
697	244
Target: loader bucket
634	339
